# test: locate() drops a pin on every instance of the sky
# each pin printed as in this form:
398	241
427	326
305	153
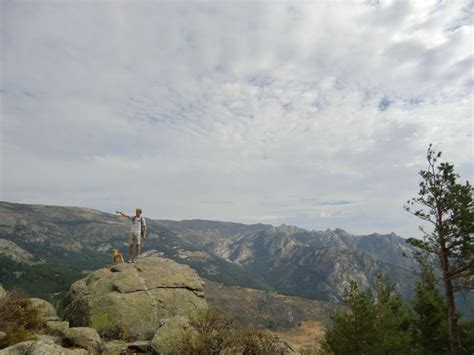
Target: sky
314	114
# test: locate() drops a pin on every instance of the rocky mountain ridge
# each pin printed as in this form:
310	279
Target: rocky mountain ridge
314	264
291	260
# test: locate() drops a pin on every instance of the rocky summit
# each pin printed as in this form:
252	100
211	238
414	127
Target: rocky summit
128	301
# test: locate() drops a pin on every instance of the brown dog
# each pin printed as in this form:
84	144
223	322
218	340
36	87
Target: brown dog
117	257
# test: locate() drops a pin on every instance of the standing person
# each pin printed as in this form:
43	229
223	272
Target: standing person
137	231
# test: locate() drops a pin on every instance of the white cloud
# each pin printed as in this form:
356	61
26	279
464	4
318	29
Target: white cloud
237	111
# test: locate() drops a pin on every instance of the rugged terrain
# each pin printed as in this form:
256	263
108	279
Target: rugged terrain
254	271
50	247
63	242
148	307
313	264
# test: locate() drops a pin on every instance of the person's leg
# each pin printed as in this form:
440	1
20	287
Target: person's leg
139	240
130	242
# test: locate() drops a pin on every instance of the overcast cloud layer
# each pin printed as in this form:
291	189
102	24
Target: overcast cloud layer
311	114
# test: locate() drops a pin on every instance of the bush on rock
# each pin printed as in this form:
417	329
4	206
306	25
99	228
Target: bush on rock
19	319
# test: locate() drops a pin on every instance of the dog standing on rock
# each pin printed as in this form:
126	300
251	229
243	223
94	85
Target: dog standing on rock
117	257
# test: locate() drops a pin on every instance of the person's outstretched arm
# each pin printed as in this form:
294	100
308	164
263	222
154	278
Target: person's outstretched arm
122	214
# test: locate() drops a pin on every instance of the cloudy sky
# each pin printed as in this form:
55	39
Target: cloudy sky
315	114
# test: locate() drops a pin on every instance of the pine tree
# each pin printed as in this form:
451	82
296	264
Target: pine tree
430	325
353	331
448	208
393	319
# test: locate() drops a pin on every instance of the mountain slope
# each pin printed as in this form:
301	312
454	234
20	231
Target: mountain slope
271	310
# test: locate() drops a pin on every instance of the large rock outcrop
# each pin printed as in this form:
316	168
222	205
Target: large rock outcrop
128	301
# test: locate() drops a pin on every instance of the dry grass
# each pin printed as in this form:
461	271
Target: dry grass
18	318
304	336
270	310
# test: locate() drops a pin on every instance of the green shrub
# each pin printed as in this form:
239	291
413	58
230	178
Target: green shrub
256	342
467	335
18	318
215	334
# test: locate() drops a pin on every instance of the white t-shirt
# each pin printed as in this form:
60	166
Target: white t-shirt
136	226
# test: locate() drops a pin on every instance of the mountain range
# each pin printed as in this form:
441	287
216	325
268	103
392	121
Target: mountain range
48	243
